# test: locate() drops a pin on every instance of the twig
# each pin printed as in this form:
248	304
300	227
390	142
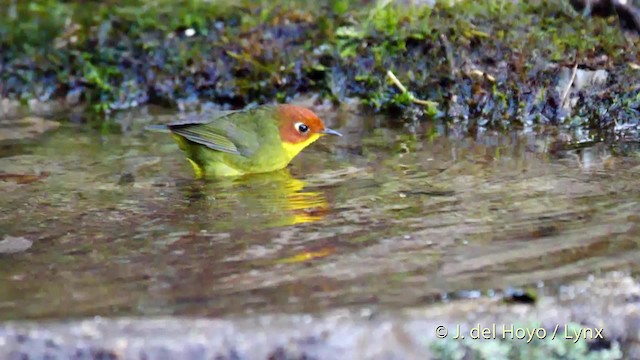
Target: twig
395	81
422	102
481	75
404	90
566	90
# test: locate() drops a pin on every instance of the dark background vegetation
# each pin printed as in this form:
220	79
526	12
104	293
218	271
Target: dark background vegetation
486	63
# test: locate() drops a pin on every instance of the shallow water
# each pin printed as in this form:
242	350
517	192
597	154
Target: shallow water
383	217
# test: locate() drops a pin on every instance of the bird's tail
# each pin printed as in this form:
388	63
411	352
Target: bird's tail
158	128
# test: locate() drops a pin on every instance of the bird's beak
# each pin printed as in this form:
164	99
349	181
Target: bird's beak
328	131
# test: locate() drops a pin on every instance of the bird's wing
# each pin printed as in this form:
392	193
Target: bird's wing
202	118
204	135
234	132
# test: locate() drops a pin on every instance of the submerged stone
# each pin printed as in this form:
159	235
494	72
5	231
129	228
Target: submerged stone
12	244
29	127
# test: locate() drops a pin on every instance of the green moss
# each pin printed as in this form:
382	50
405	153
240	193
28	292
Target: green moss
235	53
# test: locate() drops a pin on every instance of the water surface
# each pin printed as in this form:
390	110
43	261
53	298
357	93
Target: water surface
385	216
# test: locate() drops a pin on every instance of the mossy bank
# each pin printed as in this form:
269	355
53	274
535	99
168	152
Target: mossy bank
497	64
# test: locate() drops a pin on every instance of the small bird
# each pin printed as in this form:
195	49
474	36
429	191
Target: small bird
256	140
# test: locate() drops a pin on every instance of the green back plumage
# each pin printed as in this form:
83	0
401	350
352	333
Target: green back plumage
233	143
236	132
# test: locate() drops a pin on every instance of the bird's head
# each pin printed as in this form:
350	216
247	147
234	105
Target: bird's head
299	127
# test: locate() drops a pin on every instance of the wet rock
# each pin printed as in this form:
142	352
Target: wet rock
129	119
588	78
136	164
11	244
74	97
572	81
342	334
14	167
126	178
271	337
520	296
46	108
8	107
25	128
14	109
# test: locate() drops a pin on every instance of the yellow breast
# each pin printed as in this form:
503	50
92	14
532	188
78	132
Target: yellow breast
292	150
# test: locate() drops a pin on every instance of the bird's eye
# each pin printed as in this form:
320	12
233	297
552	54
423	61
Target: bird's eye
301	127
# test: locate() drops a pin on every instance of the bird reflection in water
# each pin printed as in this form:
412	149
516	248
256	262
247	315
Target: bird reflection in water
271	199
